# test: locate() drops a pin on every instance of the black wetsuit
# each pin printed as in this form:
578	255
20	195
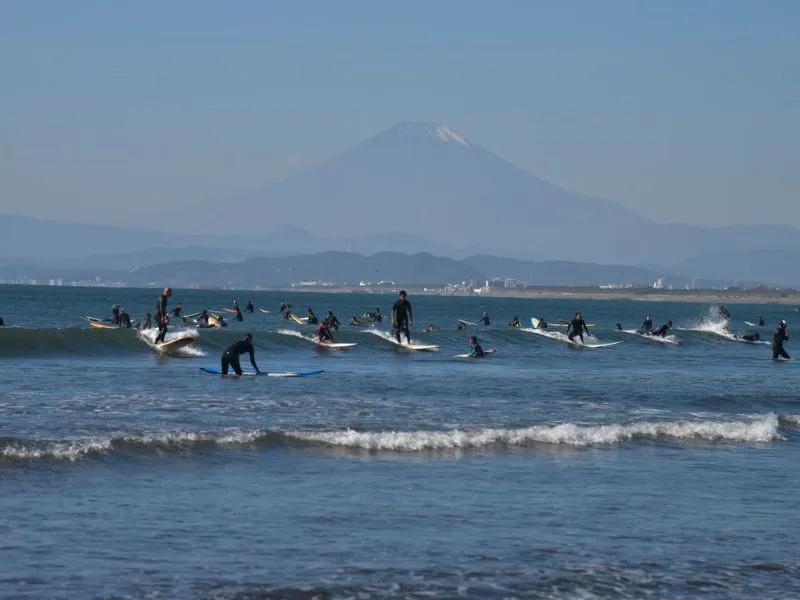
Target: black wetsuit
542	324
661	331
202	320
332	322
576	328
401	317
647	326
249	308
477	351
484	320
238	316
2	323
751	337
125	320
161	317
781	335
324	333
115	315
312	319
176	311
230	358
761	322
376	317
514	323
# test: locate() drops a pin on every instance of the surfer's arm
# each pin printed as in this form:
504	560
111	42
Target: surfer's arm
253	361
410	315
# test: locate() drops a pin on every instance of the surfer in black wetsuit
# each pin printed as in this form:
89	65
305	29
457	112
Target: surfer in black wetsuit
748	337
647	326
662	331
484	320
238	316
230	358
332	321
619	326
235	305
354	322
724	312
324	333
514	322
376	317
2	323
576	328
287	311
249	308
312	318
202	320
402	317
177	310
461	326
781	335
475	348
124	318
162	319
761	321
542	323
115	314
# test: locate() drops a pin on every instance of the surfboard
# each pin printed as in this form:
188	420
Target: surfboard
653	338
175	344
557	336
488	352
212	371
263	311
299	320
229	310
467	322
417	347
93	319
98	325
334	345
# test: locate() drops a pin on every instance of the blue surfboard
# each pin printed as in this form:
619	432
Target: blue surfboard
212	371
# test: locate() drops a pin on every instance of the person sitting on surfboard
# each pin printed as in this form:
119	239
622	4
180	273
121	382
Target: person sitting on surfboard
484	320
402	317
230	358
542	323
662	331
475	347
124	318
514	322
286	312
332	321
238	316
647	326
176	312
249	308
354	322
115	314
324	333
761	321
312	318
576	328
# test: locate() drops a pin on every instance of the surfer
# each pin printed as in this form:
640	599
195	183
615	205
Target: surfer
354	322
124	318
761	321
238	316
461	326
576	328
542	323
2	323
781	335
146	323
287	311
176	312
748	337
202	320
475	348
249	308
402	317
332	321
662	331
161	304
376	317
312	318
724	312
230	358
514	322
221	321
619	326
647	326
115	314
324	334
429	329
235	305
484	320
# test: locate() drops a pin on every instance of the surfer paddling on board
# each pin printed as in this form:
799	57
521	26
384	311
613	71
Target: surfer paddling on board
162	320
647	326
748	337
402	317
662	331
230	358
324	334
576	328
475	348
484	320
781	335
461	326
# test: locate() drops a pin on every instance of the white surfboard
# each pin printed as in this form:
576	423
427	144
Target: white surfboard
417	347
670	339
181	342
334	345
488	352
467	322
557	336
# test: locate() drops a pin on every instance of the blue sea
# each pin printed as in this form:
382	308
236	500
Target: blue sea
642	470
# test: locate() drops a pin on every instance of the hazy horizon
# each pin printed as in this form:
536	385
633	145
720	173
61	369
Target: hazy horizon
683	113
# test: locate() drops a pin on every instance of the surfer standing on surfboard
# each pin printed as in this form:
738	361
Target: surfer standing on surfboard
402	317
230	358
324	333
576	328
161	314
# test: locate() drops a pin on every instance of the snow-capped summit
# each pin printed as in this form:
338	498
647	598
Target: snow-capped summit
441	132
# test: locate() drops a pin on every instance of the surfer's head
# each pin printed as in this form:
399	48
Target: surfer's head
578	315
167	292
403	293
782	323
473	339
669	322
248	337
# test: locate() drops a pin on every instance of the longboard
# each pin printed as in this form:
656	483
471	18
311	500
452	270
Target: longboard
212	371
229	310
98	325
653	338
263	311
485	352
468	322
536	322
299	320
557	336
417	347
175	344
334	345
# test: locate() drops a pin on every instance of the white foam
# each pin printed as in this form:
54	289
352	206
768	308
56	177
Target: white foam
756	430
297	334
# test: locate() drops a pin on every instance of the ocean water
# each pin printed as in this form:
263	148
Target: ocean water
544	471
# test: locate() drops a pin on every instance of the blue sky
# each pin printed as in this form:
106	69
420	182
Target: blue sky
684	111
